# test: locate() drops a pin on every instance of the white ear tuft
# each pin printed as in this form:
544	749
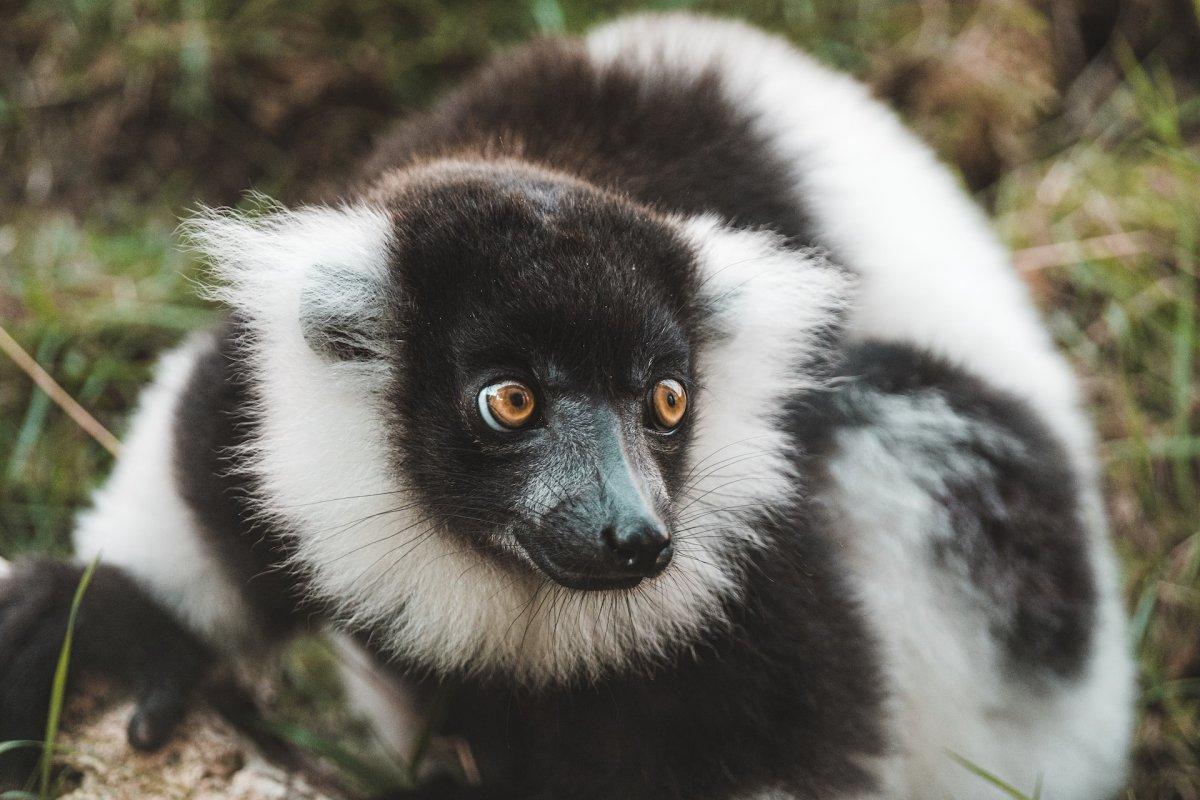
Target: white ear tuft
773	311
319	272
771	306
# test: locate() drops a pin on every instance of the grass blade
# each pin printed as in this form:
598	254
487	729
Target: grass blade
59	687
980	772
17	744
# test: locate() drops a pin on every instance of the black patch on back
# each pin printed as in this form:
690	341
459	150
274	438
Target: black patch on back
212	421
1020	534
668	140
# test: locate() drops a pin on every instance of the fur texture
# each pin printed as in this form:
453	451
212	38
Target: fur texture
982	575
140	522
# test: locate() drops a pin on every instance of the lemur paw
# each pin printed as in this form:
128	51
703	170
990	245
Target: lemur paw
119	633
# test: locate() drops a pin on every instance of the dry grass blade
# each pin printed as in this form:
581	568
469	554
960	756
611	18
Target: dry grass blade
1061	254
56	393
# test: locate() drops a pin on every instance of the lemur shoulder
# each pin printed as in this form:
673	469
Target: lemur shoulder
660	393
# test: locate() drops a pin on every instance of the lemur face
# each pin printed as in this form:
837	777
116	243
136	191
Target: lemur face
544	384
485	391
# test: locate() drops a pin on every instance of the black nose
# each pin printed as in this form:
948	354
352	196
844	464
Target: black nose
640	550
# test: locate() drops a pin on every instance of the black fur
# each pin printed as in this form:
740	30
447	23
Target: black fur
1020	534
119	632
674	143
512	273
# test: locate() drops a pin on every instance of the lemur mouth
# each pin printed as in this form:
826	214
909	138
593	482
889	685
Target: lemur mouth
591	583
579	581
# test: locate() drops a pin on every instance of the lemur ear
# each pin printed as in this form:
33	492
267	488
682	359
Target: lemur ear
343	314
313	279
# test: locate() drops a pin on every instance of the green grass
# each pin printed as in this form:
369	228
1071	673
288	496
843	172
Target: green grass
120	116
308	711
1007	788
58	688
44	775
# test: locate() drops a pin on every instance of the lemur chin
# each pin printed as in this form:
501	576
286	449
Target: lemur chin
661	394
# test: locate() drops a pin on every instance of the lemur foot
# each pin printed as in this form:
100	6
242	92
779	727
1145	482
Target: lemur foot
119	633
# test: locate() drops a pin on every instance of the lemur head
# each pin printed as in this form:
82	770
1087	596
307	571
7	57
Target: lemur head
514	421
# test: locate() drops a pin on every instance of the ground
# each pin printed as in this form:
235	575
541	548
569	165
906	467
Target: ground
1077	125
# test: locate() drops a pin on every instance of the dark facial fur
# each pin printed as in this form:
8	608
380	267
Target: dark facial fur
512	273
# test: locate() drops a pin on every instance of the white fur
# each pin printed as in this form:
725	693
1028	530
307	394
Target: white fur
771	305
139	522
324	464
934	275
949	690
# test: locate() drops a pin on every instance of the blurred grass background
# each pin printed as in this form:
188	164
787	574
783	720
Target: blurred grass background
1075	122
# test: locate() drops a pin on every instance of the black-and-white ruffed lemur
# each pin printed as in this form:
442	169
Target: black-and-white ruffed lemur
662	395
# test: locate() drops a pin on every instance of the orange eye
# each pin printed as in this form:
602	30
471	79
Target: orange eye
668	402
506	406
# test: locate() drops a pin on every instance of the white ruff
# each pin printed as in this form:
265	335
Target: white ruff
380	563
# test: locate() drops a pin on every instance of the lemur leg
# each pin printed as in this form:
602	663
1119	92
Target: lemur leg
119	632
160	609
